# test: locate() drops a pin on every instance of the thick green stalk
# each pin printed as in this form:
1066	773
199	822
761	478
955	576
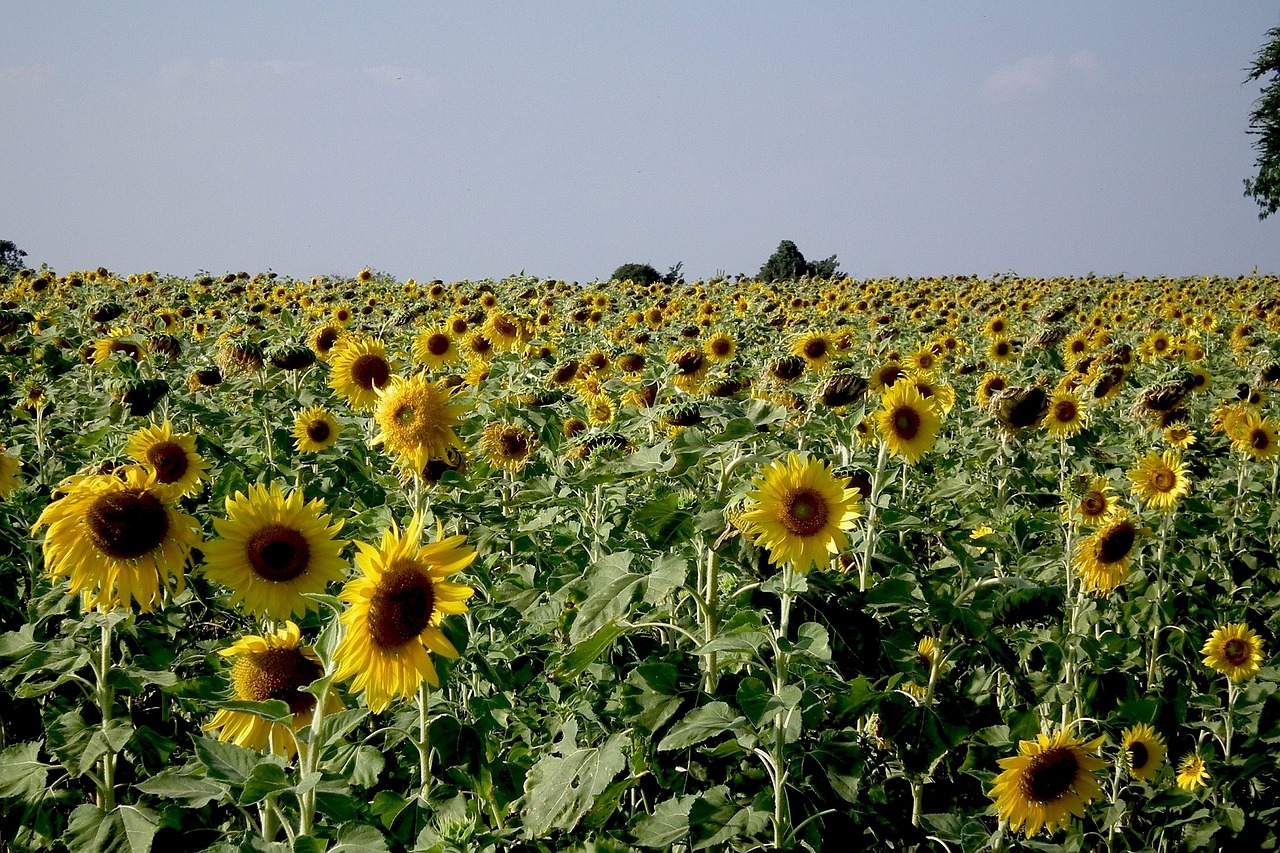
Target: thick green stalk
106	697
869	545
424	741
780	815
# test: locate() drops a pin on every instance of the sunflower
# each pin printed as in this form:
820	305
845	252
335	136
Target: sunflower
1192	773
989	385
814	347
799	511
1180	436
1094	503
1048	782
394	612
508	446
118	538
315	429
1002	350
173	457
435	348
358	369
907	422
10	468
1144	751
271	666
505	331
940	395
1065	417
417	419
274	550
720	347
1235	651
1160	480
1255	436
1102	559
886	375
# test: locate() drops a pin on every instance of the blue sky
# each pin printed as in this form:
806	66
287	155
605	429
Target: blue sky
477	140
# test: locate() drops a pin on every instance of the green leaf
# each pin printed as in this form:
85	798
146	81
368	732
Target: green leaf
609	597
273	710
560	789
264	780
22	773
334	727
359	838
127	829
77	745
715	718
140	827
225	762
173	784
813	639
368	766
669	573
753	697
583	654
668	824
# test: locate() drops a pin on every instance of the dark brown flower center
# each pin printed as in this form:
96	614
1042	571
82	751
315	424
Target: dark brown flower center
1235	652
906	422
1163	480
276	674
370	371
1259	439
319	431
169	460
401	606
1115	543
505	327
815	348
1050	775
127	524
438	344
1139	755
1094	504
1065	411
327	337
278	553
721	347
513	445
805	512
890	374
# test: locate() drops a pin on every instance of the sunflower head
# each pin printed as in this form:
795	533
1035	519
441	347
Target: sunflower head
1048	782
172	456
799	511
417	418
907	422
1144	752
315	429
1160	480
1192	773
1235	651
358	370
1102	559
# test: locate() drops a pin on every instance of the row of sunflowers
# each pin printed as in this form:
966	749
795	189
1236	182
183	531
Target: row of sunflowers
952	563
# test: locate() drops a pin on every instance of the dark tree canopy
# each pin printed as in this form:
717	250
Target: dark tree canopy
787	264
1264	122
10	258
646	274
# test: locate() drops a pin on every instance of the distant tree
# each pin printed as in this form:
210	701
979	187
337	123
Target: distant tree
639	273
1264	122
673	273
787	264
10	259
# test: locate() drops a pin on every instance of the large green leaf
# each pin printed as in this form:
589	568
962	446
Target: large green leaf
560	789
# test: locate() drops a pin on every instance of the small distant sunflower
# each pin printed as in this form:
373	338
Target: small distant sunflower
989	385
118	538
907	422
1180	436
1051	780
435	348
315	429
1095	503
416	418
508	446
358	370
270	666
1256	437
10	468
173	456
720	347
324	339
1144	752
1102	559
1192	773
886	375
274	550
601	409
394	610
1065	417
505	331
1235	651
1160	480
816	348
939	394
800	511
1002	350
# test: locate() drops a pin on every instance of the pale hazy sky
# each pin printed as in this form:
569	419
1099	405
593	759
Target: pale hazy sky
476	139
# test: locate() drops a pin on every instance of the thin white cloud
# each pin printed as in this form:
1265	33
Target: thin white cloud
1036	73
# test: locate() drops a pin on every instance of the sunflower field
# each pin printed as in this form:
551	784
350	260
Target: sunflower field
951	564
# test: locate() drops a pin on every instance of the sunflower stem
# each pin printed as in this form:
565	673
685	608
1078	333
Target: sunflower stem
1154	655
424	741
1232	692
869	544
780	717
106	696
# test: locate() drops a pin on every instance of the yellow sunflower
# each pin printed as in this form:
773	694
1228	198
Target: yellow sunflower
508	446
1102	559
1160	480
324	339
907	422
1144	752
1065	417
274	550
1051	780
435	348
816	348
271	666
358	370
173	457
799	511
989	385
315	429
416	420
1095	503
118	538
10	468
720	347
1255	436
1235	651
1192	773
1179	436
394	613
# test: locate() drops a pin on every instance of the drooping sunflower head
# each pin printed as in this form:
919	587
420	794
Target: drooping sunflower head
799	511
315	429
417	418
907	422
508	446
269	667
273	550
1144	752
358	370
118	538
1235	651
394	612
1160	480
1048	782
1020	407
172	456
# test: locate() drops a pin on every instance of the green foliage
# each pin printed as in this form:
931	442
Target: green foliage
1264	123
639	273
788	264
